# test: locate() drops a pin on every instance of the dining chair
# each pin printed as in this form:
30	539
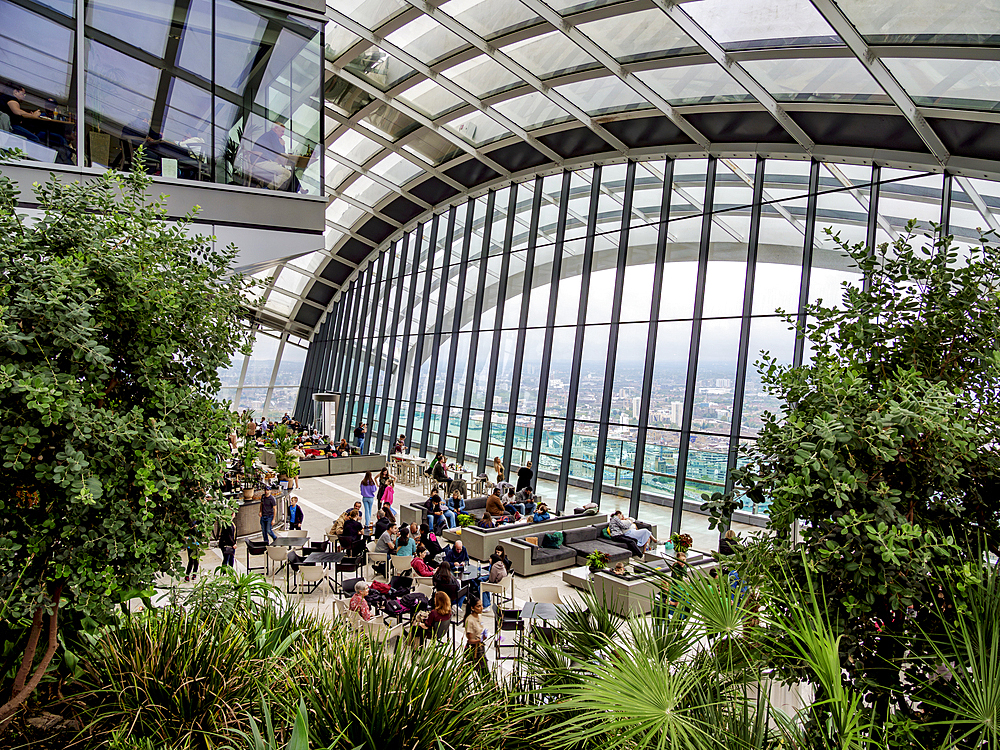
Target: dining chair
314	575
256	549
546	594
277	555
400	564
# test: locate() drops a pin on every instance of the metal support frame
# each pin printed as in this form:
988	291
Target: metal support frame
401	249
872	218
659	271
435	353
946	204
368	306
581	329
404	346
616	309
805	281
456	326
418	349
365	385
508	241
350	353
550	319
477	315
380	370
736	421
695	347
522	324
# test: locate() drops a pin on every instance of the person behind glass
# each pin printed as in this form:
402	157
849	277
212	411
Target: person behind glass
524	476
541	513
475	635
295	515
227	544
405	545
10	104
446	582
457	556
368	489
272	167
456	503
267	517
358	602
525	499
351	539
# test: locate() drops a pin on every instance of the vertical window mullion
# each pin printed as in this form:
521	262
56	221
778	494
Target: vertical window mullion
421	329
442	293
405	342
390	349
456	325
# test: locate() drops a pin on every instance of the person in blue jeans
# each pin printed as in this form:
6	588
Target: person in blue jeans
456	503
267	517
368	489
438	514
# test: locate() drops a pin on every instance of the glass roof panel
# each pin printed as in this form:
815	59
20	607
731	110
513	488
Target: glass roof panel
343	213
816	79
532	111
366	191
550	55
396	169
639	36
431	147
489	18
482	76
959	84
925	21
568	7
338	40
752	24
292	281
694	84
370	13
478	128
430	98
280	304
389	123
603	96
355	147
426	39
311	261
336	173
379	67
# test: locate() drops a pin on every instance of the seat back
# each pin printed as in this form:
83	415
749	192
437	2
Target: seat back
400	563
510	619
442	627
425	589
355	619
298	533
312	573
546	594
340	608
374	630
279	554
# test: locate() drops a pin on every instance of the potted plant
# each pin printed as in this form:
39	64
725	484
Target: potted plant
466	519
248	468
598	560
681	542
286	463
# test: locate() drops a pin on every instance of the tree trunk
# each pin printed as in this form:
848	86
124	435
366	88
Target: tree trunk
24	686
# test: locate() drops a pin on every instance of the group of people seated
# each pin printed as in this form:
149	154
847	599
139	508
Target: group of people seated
500	508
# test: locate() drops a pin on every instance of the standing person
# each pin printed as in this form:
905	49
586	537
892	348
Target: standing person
267	517
295	514
227	544
359	436
524	477
390	492
193	550
400	446
475	635
297	455
383	482
368	489
498	468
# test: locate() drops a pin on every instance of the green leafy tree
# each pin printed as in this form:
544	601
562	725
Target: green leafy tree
114	323
886	449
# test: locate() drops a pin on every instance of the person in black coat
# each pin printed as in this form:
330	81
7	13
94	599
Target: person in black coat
227	543
351	540
295	515
524	477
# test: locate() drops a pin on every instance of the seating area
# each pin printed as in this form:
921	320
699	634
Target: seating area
532	556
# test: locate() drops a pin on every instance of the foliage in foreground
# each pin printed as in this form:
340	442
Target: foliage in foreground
113	325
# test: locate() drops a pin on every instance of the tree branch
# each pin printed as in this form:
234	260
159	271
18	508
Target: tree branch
8	709
29	651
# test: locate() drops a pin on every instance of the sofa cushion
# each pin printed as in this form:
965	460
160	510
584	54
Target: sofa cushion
541	555
616	553
475	503
586	534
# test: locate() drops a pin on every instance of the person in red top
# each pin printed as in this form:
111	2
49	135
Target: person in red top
419	562
440	613
358	603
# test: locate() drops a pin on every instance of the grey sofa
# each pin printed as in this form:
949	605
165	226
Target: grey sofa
416	513
325	467
481	542
579	540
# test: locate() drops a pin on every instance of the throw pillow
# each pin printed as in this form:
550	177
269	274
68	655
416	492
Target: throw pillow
553	540
590	512
533	540
605	534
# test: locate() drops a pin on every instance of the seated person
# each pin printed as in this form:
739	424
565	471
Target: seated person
388	512
386	543
400	446
541	514
419	562
405	545
440	613
525	499
457	556
498	571
351	540
511	505
440	472
446	582
494	505
439	516
621	526
338	526
487	522
342	449
429	540
272	166
456	503
381	524
358	603
501	553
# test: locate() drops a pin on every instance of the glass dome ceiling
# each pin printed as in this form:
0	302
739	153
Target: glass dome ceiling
427	103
